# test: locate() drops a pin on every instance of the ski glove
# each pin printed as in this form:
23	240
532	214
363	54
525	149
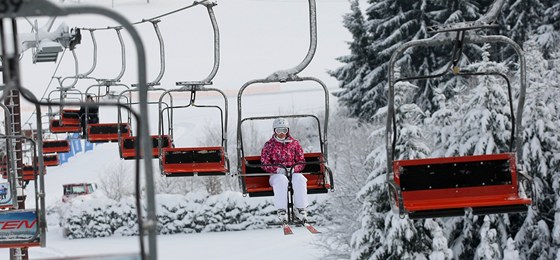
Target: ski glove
281	171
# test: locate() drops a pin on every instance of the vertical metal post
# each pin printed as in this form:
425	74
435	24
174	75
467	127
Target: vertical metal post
12	102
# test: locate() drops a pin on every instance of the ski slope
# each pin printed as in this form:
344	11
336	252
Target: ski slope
258	37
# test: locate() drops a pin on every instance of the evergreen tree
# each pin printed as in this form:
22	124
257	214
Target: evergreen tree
541	143
489	247
440	248
351	75
521	19
486	125
388	236
387	25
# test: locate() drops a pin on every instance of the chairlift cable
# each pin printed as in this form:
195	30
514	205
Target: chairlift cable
48	85
195	3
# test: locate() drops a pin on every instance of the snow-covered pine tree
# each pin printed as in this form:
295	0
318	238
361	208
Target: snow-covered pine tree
540	146
388	24
484	128
486	125
351	143
351	75
489	247
387	235
521	18
440	248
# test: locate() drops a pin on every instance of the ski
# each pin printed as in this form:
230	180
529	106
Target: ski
311	228
287	229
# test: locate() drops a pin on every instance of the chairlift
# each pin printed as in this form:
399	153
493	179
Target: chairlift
51	160
33	221
68	120
196	161
448	186
108	132
56	146
127	144
193	161
253	180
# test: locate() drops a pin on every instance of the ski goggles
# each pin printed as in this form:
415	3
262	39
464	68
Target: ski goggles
281	130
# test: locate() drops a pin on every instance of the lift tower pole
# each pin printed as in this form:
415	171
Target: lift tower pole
10	76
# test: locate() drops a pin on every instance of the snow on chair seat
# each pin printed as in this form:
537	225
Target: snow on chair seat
56	126
440	187
70	117
128	146
56	146
258	186
201	161
108	132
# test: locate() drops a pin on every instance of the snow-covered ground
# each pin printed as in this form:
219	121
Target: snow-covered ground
253	244
257	38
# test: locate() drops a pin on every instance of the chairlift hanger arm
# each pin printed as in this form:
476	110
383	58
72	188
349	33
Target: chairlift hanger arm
157	80
291	74
93	66
208	80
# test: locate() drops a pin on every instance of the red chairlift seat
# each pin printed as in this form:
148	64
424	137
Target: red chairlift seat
199	161
107	132
70	117
28	172
258	186
128	145
56	126
56	146
442	187
51	160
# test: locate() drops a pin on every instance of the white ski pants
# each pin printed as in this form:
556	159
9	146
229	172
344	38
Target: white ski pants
279	183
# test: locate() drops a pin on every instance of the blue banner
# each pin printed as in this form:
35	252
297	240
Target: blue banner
63	158
88	146
76	146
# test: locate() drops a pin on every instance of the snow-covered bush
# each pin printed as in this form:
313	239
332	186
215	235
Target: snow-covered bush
87	217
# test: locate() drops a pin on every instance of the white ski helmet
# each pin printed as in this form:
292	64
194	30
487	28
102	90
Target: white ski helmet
280	122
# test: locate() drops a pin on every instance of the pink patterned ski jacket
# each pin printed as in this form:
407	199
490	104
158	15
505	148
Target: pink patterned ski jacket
287	153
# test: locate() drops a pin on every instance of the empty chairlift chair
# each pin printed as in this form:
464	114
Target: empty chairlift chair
56	146
128	146
437	187
51	160
69	122
29	172
449	186
199	161
107	132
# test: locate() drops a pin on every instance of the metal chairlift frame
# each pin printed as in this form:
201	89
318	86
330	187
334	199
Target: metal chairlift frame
18	179
107	84
193	87
10	153
63	94
127	95
169	110
85	75
284	76
47	8
445	36
65	90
